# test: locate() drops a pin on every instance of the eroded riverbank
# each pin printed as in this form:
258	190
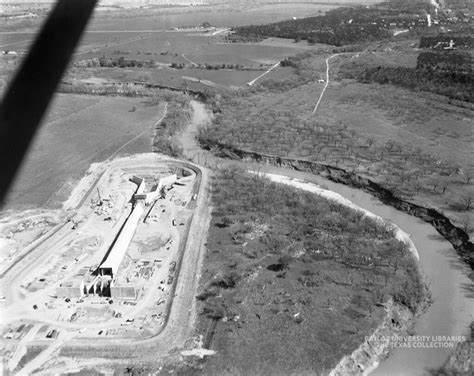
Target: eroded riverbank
436	239
457	237
398	319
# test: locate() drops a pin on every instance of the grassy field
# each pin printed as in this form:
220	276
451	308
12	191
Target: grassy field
400	54
292	281
167	47
78	131
127	37
126	21
417	144
231	13
8	65
226	15
179	78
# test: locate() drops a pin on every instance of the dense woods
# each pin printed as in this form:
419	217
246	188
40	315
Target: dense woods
451	84
454	62
337	27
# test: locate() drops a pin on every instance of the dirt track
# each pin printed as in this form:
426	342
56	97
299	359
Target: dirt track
325	85
181	314
250	83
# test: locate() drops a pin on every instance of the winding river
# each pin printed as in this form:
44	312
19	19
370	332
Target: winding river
453	304
452	309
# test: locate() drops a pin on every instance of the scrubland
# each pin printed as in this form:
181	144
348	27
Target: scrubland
304	277
417	144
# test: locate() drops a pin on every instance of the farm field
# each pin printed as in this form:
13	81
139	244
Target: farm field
249	54
180	78
178	48
168	47
217	16
144	46
15	42
188	49
130	30
165	18
78	131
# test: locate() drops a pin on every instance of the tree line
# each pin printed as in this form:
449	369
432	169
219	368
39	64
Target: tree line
339	27
446	73
121	62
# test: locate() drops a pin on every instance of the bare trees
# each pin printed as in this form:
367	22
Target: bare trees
467	200
468	175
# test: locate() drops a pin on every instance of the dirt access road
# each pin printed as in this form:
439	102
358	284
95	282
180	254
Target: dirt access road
327	74
182	310
326	84
182	314
251	83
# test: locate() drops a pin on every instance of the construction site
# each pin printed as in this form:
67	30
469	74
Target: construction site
109	266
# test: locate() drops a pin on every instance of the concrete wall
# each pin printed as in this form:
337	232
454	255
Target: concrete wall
119	292
120	248
166	182
69	292
140	182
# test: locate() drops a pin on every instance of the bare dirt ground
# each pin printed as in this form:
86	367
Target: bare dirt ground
174	233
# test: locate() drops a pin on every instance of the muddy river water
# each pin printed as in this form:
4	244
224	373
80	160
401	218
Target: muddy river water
452	309
453	304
